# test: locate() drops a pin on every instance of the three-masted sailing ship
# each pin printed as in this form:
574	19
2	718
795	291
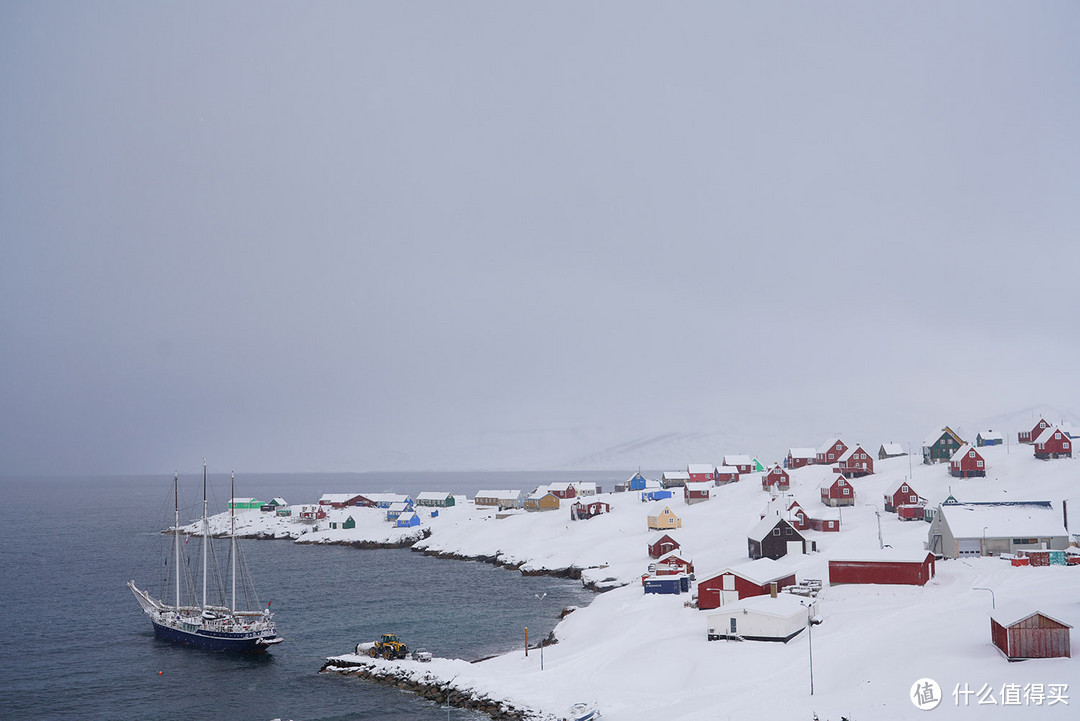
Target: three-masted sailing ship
199	623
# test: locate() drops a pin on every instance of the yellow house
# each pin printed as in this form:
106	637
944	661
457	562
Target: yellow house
546	502
665	520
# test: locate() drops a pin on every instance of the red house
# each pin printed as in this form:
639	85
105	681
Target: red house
701	472
1035	432
904	494
745	580
727	474
884	566
797	517
697	492
967	463
799	457
855	462
825	525
1024	633
563	490
661	544
776	476
1053	443
583	511
828	453
671	564
838	492
745	464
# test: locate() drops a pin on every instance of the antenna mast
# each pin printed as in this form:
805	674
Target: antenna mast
232	536
206	534
176	535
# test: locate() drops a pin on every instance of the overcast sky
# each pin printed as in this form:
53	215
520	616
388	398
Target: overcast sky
354	236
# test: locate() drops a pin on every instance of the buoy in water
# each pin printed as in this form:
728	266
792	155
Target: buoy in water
160	672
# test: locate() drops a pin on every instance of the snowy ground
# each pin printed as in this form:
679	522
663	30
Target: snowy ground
645	657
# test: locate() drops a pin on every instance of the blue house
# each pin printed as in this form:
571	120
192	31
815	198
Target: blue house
407	520
396	509
989	438
657	495
637	482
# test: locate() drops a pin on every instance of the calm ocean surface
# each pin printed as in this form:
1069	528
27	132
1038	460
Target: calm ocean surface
76	644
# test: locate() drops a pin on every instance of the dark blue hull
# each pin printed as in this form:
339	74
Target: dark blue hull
233	643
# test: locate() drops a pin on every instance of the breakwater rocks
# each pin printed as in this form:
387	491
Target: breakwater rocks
572	572
429	687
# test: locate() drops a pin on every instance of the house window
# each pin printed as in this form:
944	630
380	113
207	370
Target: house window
978	464
847	492
904	489
912	499
1065	445
776	531
971	454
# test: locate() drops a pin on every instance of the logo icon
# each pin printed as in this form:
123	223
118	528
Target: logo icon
925	694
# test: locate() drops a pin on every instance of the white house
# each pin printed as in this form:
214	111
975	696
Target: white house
761	618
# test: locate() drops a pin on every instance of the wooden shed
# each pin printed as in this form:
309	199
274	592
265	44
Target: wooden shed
890	450
1022	632
885	566
661	544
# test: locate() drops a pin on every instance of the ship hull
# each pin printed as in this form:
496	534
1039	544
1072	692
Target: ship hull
215	641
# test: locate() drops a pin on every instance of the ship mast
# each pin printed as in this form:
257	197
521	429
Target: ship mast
232	536
176	535
206	535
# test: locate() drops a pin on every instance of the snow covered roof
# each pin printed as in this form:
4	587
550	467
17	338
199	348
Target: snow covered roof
337	497
802	452
831	481
500	494
759	571
558	487
991	435
400	506
237	501
857	448
676	475
1015	520
894	555
386	497
827	445
693	468
1048	434
893	449
727	470
738	461
936	435
585	486
698	486
764	526
1013	613
963	451
670	555
656	537
407	516
784	605
432	495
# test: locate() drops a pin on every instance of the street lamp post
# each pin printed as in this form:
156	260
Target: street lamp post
542	639
993	601
810	641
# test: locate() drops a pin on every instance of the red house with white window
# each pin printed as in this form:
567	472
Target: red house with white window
727	474
671	564
697	492
828	453
745	464
1035	432
903	495
755	578
776	476
838	492
701	472
1053	443
563	490
799	457
856	462
825	525
797	517
967	463
661	544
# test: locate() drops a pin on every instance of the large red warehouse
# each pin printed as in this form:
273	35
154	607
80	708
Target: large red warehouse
885	566
1025	633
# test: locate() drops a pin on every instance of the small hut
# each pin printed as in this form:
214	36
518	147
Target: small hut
1021	632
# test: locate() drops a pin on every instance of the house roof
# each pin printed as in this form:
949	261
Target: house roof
784	605
827	445
759	571
991	435
237	501
1013	520
700	468
432	495
1013	613
560	487
585	486
658	536
337	497
699	486
802	452
726	470
893	449
963	451
936	436
738	461
500	494
831	481
886	555
1048	434
676	475
407	516
387	497
850	452
765	525
399	506
670	555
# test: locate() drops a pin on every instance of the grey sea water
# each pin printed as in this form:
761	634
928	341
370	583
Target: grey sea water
76	644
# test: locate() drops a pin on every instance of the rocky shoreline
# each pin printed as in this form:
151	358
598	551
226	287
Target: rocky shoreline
429	687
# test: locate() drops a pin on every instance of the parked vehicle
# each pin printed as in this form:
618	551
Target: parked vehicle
389	647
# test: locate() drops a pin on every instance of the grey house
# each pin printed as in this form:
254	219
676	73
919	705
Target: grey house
993	528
